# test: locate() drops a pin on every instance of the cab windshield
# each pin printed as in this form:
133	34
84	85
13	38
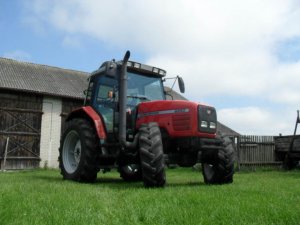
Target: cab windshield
149	88
139	89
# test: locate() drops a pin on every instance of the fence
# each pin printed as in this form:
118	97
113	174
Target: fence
256	151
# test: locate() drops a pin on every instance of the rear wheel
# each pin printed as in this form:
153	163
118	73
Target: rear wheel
78	152
221	169
151	155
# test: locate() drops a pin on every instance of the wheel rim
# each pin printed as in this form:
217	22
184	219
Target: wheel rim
131	169
209	170
71	152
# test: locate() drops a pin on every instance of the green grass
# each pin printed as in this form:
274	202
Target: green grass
42	197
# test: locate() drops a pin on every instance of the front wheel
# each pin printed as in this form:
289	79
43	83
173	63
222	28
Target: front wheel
220	170
152	156
78	152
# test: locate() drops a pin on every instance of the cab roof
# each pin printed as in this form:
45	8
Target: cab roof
131	67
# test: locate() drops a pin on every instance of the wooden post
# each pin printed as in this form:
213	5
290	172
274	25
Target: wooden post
238	153
5	154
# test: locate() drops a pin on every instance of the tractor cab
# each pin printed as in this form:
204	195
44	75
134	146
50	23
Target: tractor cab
144	83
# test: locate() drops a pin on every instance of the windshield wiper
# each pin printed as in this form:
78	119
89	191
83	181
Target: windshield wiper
142	97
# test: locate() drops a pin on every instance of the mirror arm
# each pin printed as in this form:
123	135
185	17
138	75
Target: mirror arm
174	81
168	78
180	81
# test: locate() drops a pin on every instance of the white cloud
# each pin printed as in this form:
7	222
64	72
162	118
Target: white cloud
256	121
221	48
18	55
72	42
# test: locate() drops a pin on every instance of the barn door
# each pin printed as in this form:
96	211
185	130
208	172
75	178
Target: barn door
20	120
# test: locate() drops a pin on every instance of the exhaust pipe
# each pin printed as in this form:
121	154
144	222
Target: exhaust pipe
122	105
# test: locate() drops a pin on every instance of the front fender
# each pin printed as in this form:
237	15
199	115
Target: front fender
89	113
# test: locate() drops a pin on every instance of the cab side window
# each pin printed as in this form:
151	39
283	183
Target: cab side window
89	92
103	92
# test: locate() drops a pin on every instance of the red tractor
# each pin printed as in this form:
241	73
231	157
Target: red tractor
127	123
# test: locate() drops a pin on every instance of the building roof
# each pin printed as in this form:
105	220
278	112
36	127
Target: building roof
42	79
54	81
224	130
173	95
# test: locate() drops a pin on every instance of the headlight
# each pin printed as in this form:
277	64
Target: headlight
162	72
137	65
212	125
130	64
155	70
204	124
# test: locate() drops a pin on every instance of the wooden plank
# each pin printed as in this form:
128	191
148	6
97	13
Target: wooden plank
261	163
238	154
19	133
21	158
21	164
21	110
67	107
5	154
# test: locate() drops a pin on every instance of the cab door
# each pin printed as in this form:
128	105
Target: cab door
105	101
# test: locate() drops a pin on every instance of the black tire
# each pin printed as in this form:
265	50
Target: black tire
131	172
78	151
279	156
152	156
288	163
221	169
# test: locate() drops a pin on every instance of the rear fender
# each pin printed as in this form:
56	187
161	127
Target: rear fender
89	113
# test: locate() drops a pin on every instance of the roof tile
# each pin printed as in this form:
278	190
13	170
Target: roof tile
42	79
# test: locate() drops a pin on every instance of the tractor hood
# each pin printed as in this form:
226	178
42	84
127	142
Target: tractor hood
179	118
165	107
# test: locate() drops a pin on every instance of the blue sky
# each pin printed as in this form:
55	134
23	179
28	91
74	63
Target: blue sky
22	41
243	57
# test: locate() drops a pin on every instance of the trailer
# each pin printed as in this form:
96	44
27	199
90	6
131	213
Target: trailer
287	148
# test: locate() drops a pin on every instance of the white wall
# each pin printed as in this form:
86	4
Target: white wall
50	132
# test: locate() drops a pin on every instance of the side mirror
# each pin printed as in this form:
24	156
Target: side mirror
181	84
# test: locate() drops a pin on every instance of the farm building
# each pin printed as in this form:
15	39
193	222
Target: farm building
34	100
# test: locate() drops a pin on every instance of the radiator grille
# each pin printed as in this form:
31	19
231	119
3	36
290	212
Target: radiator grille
181	122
